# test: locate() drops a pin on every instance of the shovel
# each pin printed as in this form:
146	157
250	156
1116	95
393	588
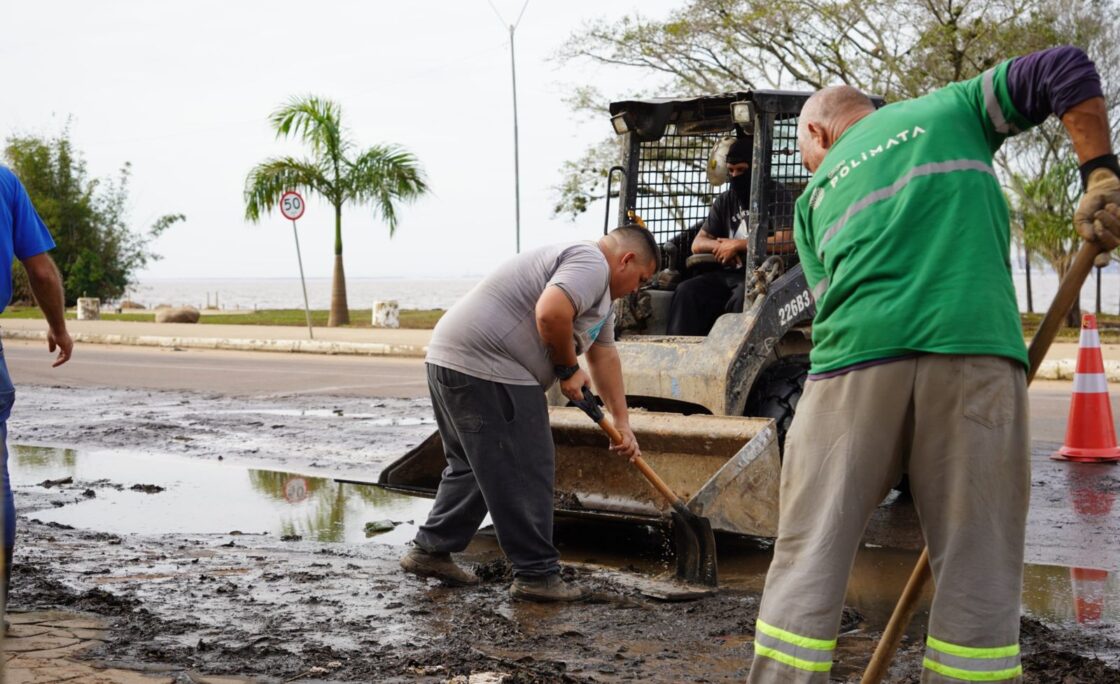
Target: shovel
1068	293
694	543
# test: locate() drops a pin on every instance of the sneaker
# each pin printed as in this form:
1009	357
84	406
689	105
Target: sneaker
545	589
438	565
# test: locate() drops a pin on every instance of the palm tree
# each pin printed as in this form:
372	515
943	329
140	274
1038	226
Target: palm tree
381	176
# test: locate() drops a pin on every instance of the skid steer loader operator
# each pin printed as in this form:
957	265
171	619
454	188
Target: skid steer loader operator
518	331
918	357
701	299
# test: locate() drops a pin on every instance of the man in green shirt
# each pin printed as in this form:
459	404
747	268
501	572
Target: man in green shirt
918	359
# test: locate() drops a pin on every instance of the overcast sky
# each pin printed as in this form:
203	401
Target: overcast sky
183	90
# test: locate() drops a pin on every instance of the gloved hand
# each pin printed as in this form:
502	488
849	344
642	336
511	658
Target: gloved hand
1097	218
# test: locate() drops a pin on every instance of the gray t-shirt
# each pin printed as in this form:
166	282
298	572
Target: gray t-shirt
491	333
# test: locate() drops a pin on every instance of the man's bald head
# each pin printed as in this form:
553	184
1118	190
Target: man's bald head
824	118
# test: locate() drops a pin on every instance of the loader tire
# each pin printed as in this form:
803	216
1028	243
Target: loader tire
776	393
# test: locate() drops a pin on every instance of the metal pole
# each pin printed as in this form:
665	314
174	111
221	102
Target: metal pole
306	307
516	156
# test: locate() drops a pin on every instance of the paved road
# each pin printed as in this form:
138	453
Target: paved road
271	373
236	373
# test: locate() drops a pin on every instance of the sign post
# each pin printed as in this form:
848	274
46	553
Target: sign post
292	206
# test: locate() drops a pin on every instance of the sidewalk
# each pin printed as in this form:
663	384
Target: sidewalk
278	338
1060	362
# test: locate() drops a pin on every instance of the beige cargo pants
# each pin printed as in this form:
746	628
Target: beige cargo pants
959	426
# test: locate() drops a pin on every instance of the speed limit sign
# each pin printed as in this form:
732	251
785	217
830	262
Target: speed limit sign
291	205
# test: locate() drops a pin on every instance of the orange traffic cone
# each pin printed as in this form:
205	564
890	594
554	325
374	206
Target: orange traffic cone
1089	590
1090	435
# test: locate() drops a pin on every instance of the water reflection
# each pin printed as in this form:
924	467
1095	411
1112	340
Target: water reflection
208	497
1092	502
320	507
27	456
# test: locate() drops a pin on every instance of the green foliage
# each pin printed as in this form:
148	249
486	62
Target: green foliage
98	253
895	48
21	285
382	176
1045	203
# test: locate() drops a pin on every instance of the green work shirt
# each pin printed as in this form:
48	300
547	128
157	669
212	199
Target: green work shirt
904	234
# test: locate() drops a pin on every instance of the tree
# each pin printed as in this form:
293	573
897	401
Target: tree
97	252
381	176
894	48
1039	167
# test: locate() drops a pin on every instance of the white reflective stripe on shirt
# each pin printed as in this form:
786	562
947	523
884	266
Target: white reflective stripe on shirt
819	289
991	104
893	189
1090	383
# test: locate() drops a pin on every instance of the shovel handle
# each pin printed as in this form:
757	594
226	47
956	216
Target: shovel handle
900	619
1069	292
640	463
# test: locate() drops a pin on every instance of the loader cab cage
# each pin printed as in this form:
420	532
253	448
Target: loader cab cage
668	145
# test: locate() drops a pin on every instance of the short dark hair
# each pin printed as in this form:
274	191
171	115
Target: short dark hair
637	239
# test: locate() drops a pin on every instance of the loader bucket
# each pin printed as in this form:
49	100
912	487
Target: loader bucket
725	468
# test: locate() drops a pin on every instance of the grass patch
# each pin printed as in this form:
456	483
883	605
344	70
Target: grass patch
417	319
425	319
1108	324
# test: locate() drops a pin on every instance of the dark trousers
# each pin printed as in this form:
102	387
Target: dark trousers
7	399
501	459
700	300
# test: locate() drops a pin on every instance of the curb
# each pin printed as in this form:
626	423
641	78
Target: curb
1064	369
288	346
1054	369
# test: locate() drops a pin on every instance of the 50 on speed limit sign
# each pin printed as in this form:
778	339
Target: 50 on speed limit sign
291	205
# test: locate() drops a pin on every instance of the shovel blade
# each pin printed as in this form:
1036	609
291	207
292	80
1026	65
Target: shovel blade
694	545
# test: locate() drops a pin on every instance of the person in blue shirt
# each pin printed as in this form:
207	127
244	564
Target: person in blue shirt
23	236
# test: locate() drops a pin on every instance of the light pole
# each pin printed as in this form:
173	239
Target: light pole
516	151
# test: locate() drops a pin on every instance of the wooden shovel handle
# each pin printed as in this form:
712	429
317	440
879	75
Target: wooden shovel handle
639	462
900	618
1069	292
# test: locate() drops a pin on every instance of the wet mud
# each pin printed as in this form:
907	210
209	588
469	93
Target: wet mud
305	601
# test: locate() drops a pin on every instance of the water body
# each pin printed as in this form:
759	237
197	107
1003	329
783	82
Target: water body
285	293
441	293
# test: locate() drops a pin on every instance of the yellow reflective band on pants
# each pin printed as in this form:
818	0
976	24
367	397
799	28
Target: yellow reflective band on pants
795	650
972	664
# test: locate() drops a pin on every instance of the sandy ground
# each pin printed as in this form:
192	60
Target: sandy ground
282	608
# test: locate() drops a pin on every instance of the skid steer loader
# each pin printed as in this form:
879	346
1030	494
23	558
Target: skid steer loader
717	406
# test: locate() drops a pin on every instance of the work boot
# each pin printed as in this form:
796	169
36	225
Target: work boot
438	565
545	589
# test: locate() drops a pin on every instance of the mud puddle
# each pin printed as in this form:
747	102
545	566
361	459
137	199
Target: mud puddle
254	604
115	495
126	493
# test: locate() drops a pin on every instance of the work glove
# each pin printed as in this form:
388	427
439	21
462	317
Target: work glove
1097	218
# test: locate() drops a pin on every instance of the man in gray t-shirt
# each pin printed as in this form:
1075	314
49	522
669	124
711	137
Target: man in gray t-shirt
489	360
